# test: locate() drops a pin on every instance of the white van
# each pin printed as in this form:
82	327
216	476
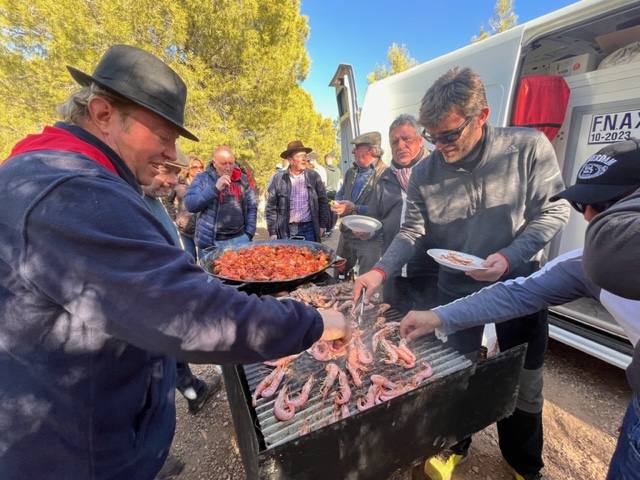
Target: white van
604	106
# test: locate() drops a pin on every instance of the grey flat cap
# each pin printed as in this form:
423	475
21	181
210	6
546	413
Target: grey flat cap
369	138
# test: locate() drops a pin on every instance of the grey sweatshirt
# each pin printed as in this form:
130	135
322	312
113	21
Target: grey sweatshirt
560	281
501	205
612	259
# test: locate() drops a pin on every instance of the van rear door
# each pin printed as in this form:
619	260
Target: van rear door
347	99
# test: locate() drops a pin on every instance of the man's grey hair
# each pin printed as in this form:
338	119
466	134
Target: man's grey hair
404	119
460	91
76	108
377	151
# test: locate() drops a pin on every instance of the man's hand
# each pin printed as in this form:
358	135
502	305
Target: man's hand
496	265
362	235
417	323
371	280
343	207
336	326
223	182
183	219
273	237
321	233
181	190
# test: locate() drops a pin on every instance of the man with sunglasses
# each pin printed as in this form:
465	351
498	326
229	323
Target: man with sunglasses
605	179
484	191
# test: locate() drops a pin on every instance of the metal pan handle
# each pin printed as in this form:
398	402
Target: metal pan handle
237	286
337	259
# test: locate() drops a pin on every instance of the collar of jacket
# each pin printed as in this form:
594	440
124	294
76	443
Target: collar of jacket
306	172
114	158
413	162
378	166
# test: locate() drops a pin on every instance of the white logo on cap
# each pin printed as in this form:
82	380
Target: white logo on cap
595	166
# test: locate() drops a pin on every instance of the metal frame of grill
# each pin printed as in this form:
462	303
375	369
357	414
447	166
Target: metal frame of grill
317	412
461	398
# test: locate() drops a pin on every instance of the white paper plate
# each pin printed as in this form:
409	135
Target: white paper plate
448	259
361	224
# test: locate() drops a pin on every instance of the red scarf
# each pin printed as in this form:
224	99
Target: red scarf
234	187
54	138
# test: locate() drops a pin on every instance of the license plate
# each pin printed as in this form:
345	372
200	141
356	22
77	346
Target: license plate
614	127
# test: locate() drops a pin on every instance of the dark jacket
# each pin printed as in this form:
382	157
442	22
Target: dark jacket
91	325
501	205
385	205
202	198
365	193
278	203
363	197
612	259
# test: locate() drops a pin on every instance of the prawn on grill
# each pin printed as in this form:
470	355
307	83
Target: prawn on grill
301	399
344	391
282	408
269	384
332	373
266	381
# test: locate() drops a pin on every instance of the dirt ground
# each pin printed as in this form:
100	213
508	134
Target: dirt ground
584	403
585	400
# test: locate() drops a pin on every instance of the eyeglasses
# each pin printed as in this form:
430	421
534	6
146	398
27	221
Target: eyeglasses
446	138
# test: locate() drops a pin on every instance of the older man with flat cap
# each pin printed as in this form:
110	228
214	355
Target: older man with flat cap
91	328
353	198
297	200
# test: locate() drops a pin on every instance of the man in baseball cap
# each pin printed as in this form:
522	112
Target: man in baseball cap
606	177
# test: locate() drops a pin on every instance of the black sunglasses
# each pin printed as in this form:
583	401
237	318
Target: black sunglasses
447	137
598	207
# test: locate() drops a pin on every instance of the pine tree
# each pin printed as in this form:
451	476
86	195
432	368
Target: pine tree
399	61
503	19
243	63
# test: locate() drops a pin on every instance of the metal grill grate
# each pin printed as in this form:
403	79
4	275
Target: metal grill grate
317	413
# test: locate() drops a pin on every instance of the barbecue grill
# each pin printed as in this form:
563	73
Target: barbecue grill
462	397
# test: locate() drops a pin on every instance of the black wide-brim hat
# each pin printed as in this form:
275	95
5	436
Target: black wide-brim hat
142	78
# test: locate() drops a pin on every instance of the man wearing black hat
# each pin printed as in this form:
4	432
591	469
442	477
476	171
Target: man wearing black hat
607	177
297	200
91	328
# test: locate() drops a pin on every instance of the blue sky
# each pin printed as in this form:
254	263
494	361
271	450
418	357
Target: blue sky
359	32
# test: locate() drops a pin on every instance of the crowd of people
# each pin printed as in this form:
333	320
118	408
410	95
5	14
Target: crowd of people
105	218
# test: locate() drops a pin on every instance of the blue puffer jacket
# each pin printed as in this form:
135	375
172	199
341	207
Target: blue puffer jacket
202	198
95	304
